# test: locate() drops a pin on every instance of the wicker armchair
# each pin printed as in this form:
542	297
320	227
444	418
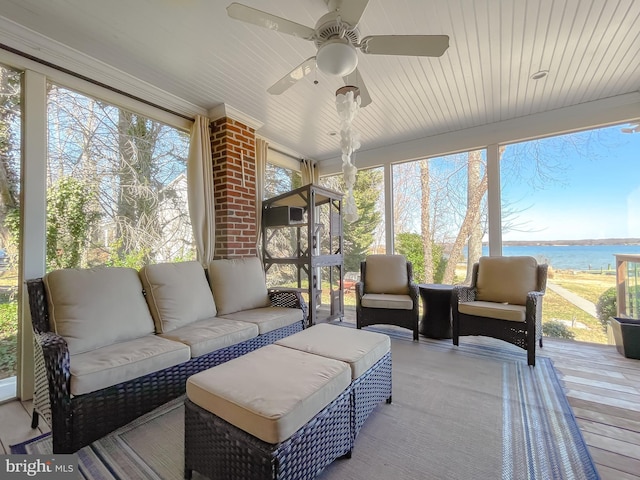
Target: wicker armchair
504	301
386	293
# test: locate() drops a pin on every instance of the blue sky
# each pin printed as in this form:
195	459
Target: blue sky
592	190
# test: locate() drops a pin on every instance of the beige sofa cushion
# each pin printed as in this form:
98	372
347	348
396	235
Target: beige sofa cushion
95	307
501	311
386	274
268	318
177	293
380	300
238	284
270	392
506	279
359	348
124	361
211	334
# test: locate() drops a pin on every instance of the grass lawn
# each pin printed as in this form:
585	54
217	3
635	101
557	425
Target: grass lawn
8	325
588	285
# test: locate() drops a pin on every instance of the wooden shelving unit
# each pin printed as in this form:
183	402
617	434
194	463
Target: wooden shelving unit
302	230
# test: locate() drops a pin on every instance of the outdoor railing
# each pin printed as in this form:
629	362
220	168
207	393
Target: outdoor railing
628	285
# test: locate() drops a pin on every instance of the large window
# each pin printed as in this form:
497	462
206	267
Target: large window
439	208
573	201
116	186
279	180
10	158
365	235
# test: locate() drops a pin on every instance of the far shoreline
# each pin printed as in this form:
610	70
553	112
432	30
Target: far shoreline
598	241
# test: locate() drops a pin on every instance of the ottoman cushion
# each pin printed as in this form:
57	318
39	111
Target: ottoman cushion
359	348
271	392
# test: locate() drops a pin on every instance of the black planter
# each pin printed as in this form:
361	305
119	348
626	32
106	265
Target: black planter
626	332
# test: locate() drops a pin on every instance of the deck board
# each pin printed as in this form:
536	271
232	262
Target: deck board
16	425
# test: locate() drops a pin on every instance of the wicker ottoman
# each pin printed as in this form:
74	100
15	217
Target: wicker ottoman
367	353
274	413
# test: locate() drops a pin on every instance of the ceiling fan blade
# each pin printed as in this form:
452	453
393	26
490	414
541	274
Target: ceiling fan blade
266	20
350	10
355	79
298	73
414	45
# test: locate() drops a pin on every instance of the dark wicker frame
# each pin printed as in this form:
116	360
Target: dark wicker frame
523	334
369	390
374	316
217	449
76	421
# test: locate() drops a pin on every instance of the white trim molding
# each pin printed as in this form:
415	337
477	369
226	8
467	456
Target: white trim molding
224	110
596	114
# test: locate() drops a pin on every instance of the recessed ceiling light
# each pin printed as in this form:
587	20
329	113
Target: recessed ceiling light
539	75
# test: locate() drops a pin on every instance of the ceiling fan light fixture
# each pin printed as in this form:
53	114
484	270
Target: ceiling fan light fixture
337	57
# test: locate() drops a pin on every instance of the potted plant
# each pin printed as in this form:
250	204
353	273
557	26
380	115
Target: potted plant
626	332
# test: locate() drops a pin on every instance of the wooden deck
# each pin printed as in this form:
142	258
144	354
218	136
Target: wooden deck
602	386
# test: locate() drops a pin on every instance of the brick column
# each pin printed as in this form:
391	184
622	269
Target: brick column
233	147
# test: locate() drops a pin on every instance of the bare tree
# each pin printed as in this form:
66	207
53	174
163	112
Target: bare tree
425	221
471	219
406	189
9	166
474	178
132	166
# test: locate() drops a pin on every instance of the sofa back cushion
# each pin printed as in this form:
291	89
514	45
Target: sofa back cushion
177	294
238	284
95	307
506	279
386	274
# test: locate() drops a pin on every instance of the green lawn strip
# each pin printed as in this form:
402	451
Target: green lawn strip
587	285
8	339
557	308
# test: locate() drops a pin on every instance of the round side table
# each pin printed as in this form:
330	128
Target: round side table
436	308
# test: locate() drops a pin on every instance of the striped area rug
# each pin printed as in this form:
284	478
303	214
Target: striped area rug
471	412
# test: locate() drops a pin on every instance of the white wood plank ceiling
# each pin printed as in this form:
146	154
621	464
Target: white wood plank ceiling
194	51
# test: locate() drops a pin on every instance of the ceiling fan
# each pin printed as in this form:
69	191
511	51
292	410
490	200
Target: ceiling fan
337	39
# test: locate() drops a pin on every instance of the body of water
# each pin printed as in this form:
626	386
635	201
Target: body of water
571	257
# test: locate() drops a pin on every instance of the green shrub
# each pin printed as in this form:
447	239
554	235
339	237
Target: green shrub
557	329
411	246
8	339
607	306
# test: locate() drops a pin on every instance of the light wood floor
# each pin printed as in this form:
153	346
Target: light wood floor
602	386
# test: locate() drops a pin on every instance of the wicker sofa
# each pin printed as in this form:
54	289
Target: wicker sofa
114	343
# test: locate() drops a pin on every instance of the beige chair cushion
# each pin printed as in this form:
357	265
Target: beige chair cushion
268	318
360	349
238	284
271	392
177	293
386	274
506	279
121	362
92	308
501	311
205	336
379	300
